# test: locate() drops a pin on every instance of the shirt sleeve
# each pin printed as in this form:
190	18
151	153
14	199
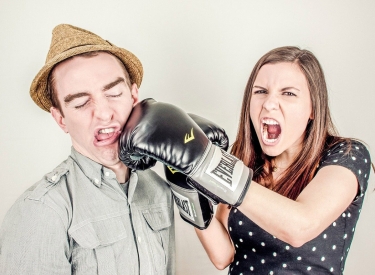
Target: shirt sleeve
352	155
33	241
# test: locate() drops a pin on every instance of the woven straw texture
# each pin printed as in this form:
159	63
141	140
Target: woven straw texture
68	41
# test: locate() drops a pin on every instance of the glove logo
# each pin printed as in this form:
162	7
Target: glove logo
184	204
190	137
172	170
225	169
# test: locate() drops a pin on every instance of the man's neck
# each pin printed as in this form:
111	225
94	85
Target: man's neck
122	172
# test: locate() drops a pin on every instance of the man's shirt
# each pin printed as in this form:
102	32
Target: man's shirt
78	220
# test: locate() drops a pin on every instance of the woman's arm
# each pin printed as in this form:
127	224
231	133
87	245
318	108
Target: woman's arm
297	222
216	240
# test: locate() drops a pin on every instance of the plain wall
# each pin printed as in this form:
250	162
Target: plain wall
197	55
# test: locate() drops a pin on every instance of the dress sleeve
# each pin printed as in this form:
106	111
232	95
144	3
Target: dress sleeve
353	155
33	240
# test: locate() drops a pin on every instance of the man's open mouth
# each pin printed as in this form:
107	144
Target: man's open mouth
105	133
271	130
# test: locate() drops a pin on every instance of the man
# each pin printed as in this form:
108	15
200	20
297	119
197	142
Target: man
91	214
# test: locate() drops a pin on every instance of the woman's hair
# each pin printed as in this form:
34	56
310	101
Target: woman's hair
319	135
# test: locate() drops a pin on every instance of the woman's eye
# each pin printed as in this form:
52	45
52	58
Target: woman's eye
260	91
289	94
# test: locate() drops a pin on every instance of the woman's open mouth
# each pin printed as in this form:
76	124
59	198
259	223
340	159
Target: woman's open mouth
271	130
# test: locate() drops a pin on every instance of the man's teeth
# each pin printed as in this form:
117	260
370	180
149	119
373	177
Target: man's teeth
106	131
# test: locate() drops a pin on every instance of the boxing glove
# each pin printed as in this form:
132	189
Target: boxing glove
213	132
167	134
195	208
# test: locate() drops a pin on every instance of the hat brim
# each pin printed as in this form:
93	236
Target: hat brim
38	89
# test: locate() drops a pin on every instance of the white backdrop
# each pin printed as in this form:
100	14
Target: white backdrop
196	54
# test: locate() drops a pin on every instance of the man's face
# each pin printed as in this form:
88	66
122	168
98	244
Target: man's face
96	103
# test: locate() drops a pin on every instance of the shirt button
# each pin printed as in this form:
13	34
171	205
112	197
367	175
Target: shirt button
96	181
53	178
139	239
107	174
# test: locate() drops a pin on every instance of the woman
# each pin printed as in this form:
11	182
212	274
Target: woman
301	209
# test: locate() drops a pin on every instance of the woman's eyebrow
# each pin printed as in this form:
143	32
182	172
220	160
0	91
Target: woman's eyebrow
259	87
288	88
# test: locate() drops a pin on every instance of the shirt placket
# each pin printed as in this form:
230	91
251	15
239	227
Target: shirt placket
144	259
109	180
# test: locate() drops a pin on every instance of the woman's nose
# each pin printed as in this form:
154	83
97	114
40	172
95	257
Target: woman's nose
271	103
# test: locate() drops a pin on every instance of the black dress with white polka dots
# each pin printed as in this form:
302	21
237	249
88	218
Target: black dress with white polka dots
258	252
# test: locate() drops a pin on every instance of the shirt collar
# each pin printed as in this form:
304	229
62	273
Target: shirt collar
92	170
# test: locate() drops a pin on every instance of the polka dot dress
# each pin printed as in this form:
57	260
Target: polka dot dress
258	252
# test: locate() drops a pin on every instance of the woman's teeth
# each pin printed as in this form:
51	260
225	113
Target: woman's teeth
270	121
271	130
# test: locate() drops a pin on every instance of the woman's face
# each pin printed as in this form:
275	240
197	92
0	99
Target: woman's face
280	108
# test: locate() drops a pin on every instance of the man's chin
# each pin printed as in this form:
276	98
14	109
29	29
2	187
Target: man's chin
107	156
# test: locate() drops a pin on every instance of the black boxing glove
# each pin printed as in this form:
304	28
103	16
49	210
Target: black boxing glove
213	132
166	133
195	208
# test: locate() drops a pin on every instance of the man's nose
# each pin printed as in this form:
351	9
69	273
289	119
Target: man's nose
103	111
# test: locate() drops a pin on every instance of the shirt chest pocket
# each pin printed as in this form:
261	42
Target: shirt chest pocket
94	245
158	227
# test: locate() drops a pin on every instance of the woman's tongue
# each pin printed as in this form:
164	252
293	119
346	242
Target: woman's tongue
273	131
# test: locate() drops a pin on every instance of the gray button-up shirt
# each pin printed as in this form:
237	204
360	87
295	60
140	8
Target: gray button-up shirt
78	220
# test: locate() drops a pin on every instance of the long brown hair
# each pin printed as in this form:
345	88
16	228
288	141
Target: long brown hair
319	135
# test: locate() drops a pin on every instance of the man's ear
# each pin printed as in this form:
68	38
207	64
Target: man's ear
59	118
134	93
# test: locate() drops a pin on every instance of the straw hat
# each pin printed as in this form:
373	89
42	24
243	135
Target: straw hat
68	41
